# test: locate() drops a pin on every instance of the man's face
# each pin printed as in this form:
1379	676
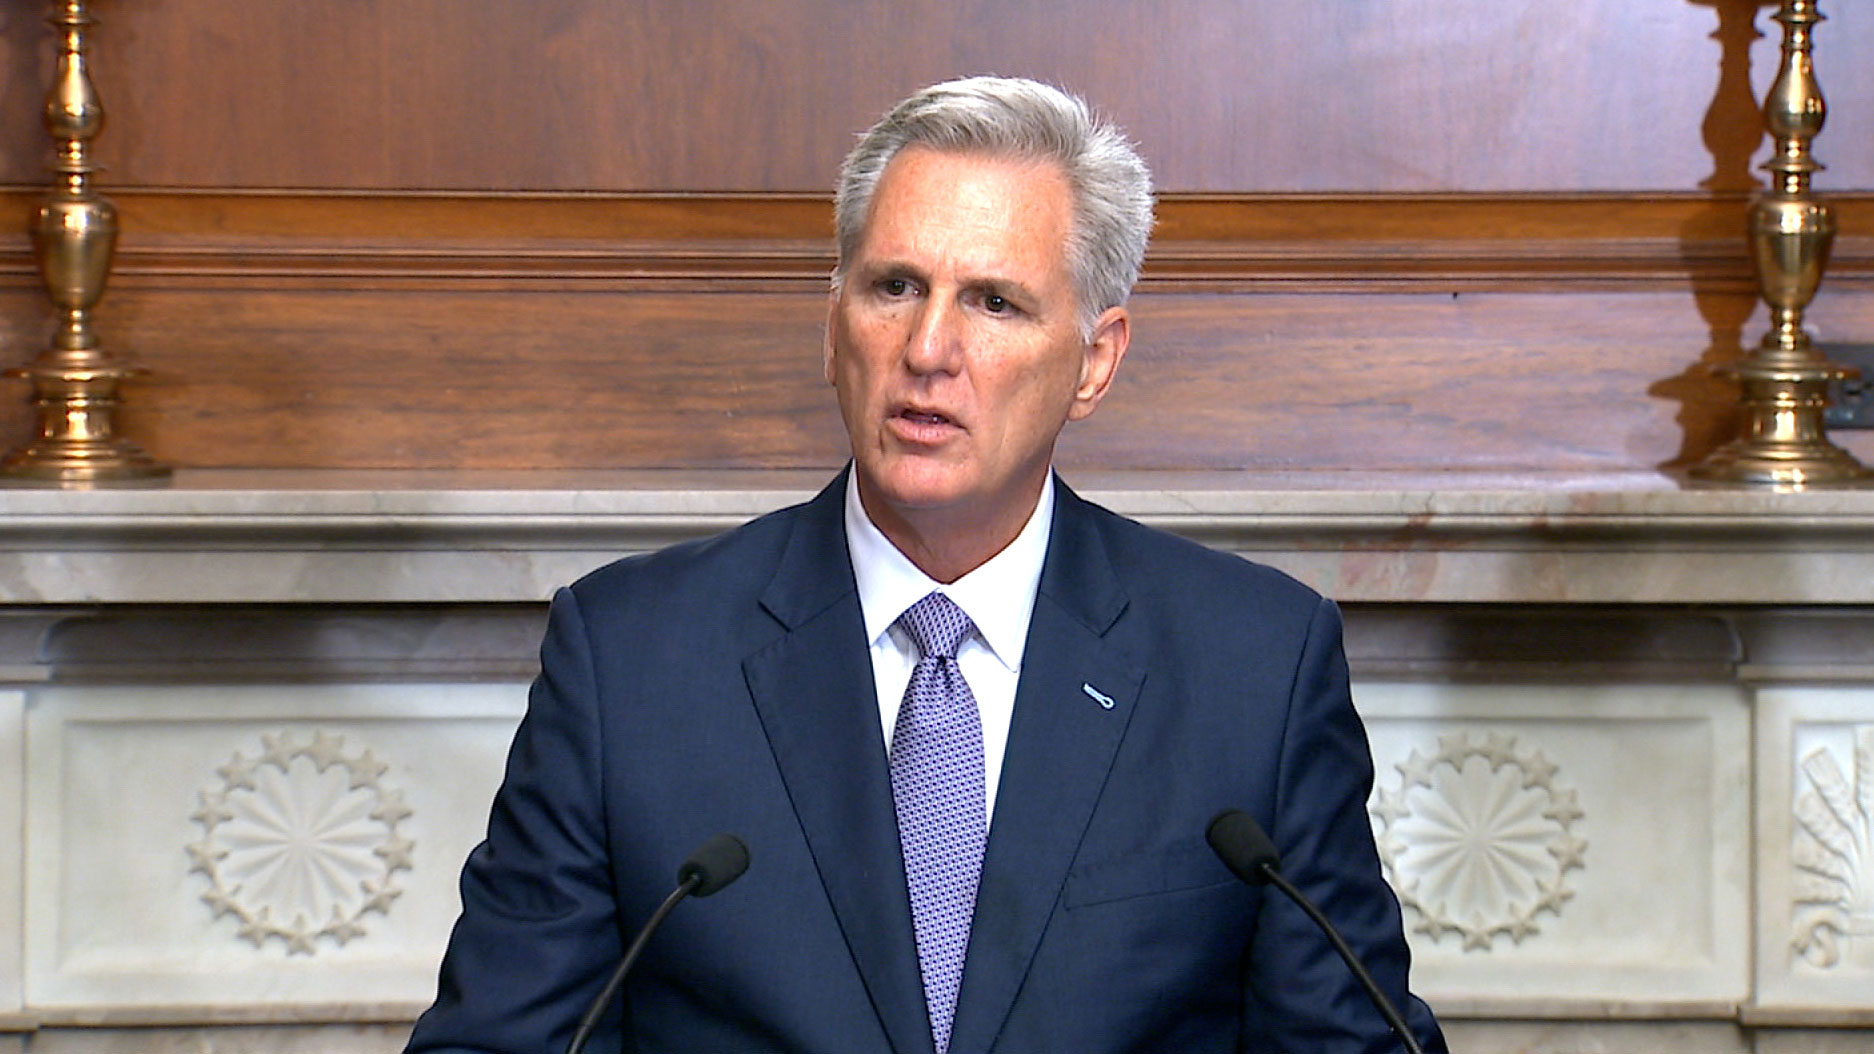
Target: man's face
954	341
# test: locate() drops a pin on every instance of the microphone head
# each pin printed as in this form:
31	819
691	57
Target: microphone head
714	864
1240	842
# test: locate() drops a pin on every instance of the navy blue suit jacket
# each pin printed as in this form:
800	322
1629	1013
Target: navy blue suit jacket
724	685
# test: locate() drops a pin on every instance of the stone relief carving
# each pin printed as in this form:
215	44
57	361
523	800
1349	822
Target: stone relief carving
1833	853
301	842
1478	838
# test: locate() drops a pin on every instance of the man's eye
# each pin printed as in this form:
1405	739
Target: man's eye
996	305
895	286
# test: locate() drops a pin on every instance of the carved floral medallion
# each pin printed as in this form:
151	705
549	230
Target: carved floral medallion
301	842
1478	838
1833	853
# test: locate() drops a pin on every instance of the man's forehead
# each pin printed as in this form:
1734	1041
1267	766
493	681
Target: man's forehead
999	194
1030	170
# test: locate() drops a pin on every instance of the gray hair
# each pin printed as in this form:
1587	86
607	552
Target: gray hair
1017	118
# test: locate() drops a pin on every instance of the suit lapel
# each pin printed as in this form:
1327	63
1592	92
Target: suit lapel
1061	745
813	690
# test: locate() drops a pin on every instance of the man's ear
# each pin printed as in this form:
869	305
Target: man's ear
1112	332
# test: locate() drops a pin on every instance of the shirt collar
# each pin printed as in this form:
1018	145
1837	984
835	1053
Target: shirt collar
999	596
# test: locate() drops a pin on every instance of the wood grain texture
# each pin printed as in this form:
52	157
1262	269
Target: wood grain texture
1396	332
1299	241
764	95
1378	381
1317	333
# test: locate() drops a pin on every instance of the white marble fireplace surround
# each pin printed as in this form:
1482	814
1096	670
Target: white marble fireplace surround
1623	733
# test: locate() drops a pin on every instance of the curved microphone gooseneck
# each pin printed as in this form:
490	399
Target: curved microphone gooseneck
713	865
1240	842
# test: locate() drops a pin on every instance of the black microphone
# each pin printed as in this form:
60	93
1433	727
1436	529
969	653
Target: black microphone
1239	841
713	865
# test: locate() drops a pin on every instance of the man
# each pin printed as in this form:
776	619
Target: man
976	819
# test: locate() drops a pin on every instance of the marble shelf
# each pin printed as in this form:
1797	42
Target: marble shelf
255	536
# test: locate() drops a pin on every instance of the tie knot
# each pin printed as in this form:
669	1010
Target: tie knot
936	626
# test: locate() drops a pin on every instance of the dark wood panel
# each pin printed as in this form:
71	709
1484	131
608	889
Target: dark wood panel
1210	241
1324	333
762	95
480	380
1329	381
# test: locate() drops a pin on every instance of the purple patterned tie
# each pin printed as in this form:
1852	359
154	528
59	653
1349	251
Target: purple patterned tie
937	783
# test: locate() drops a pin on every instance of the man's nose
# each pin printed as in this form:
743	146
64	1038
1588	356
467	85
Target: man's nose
935	344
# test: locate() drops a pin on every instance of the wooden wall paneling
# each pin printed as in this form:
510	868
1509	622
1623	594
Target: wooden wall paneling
480	379
1311	332
758	96
422	378
1320	381
22	335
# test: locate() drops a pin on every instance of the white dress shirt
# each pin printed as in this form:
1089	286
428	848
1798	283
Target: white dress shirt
999	597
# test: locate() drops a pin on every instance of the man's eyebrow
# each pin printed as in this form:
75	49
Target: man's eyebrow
889	268
1007	288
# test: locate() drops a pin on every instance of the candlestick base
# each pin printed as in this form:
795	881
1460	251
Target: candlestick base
76	447
1785	441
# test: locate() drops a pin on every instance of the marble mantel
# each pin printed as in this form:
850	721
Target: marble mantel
378	537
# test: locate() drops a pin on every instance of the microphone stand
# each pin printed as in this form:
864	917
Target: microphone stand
715	864
590	1022
1360	973
1245	848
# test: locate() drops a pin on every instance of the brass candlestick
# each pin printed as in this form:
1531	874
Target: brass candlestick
1785	379
75	382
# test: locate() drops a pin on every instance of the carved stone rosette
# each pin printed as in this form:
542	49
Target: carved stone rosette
1478	839
301	842
75	381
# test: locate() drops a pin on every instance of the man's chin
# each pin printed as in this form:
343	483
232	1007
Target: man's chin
915	488
921	498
